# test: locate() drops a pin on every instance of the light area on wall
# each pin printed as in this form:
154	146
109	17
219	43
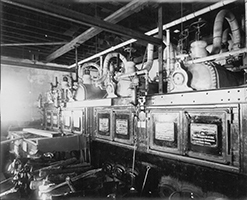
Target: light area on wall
13	94
20	90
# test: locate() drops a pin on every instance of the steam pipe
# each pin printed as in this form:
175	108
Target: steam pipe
77	66
166	26
81	68
168	53
101	63
224	43
107	60
169	50
217	34
225	35
217	56
160	49
150	57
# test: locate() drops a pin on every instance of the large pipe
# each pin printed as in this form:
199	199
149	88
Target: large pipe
168	57
85	65
166	26
160	49
107	60
224	41
217	56
218	26
150	57
168	53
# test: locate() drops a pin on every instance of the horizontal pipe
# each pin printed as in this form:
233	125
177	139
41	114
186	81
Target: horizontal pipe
113	48
132	74
166	26
216	56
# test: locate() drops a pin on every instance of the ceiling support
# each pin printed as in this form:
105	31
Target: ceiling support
79	18
160	48
114	18
166	26
246	23
32	44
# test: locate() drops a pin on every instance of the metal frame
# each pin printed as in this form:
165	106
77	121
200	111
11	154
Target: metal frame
130	125
232	136
219	96
97	126
225	133
175	118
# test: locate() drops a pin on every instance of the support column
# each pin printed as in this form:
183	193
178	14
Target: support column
245	23
245	56
160	48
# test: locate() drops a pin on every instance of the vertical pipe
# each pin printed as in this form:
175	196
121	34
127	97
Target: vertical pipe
168	58
77	66
160	48
101	64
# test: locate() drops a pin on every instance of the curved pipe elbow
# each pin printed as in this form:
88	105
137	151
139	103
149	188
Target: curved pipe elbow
107	60
218	26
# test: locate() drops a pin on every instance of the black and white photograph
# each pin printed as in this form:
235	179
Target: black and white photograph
123	99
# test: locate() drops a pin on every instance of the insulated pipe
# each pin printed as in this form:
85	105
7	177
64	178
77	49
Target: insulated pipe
166	26
82	67
225	35
150	57
217	56
160	49
224	43
107	60
217	34
168	51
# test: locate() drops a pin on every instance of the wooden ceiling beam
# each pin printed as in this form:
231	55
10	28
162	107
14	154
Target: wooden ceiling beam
32	44
79	18
114	18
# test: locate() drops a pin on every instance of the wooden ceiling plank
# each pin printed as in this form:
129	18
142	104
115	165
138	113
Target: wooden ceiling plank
117	16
